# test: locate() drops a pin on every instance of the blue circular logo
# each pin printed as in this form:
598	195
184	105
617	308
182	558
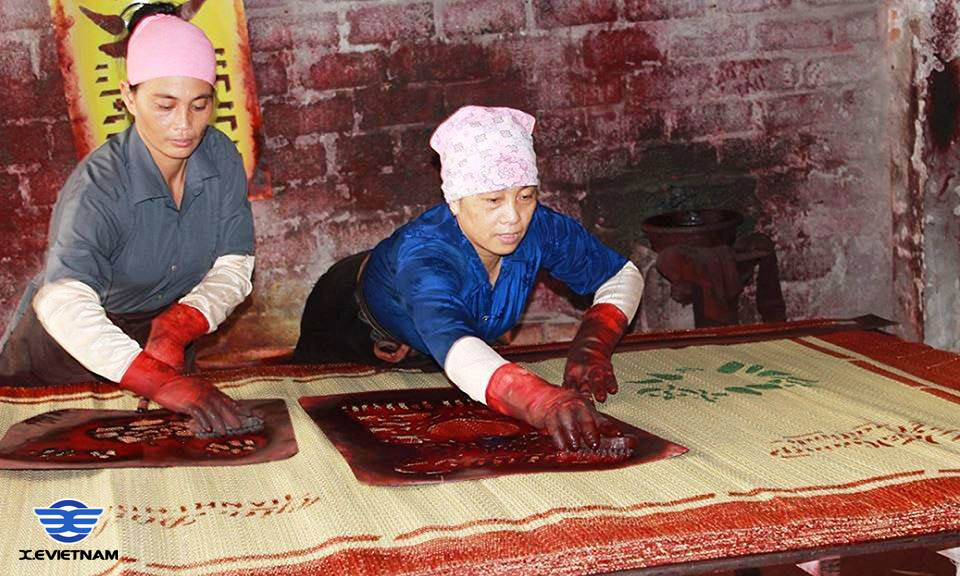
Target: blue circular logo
68	521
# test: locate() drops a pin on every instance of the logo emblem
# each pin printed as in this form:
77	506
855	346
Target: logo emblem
68	521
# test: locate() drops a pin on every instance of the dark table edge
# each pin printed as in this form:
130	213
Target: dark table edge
938	541
705	336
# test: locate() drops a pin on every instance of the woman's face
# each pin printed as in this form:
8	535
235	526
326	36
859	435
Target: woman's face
171	114
496	222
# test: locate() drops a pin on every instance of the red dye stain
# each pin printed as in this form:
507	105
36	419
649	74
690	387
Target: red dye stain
82	136
260	182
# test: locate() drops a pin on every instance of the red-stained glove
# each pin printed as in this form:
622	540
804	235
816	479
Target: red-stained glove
172	331
569	417
212	410
588	368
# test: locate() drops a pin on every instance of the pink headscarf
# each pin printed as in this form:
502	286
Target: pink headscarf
484	150
164	45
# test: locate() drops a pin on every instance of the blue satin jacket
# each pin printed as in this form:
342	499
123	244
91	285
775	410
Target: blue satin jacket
427	286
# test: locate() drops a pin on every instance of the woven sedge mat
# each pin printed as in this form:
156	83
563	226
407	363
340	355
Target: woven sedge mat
792	444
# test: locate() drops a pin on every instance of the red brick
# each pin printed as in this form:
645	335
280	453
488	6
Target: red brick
614	209
795	110
783	34
346	70
489	93
270	72
483	16
437	62
610	128
820	72
828	150
710	119
293	32
855	107
32	98
364	153
414	154
860	27
420	190
605	127
298	203
10	192
669	161
49	57
61	139
394	105
577	89
532	57
292	119
47	106
643	124
563	197
738	155
556	13
578	167
683	81
745	77
301	163
619	49
19	14
753	5
45	184
663	9
780	188
31	223
49	79
560	129
23	144
26	95
15	60
386	24
370	192
847	189
806	260
714	41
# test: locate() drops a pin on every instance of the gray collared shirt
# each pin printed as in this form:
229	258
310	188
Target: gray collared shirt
116	228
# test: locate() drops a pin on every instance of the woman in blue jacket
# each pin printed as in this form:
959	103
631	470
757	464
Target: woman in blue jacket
459	276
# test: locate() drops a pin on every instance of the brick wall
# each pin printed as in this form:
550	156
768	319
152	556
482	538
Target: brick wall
772	107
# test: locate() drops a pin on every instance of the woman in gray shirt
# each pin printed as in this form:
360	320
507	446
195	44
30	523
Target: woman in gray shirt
150	243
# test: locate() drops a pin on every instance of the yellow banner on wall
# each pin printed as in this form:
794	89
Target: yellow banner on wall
91	38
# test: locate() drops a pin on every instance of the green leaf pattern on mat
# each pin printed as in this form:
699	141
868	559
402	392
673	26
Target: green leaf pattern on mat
670	385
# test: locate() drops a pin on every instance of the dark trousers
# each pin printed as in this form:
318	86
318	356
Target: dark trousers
331	328
31	357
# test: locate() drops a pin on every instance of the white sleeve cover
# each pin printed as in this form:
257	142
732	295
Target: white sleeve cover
71	313
222	288
470	363
623	290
